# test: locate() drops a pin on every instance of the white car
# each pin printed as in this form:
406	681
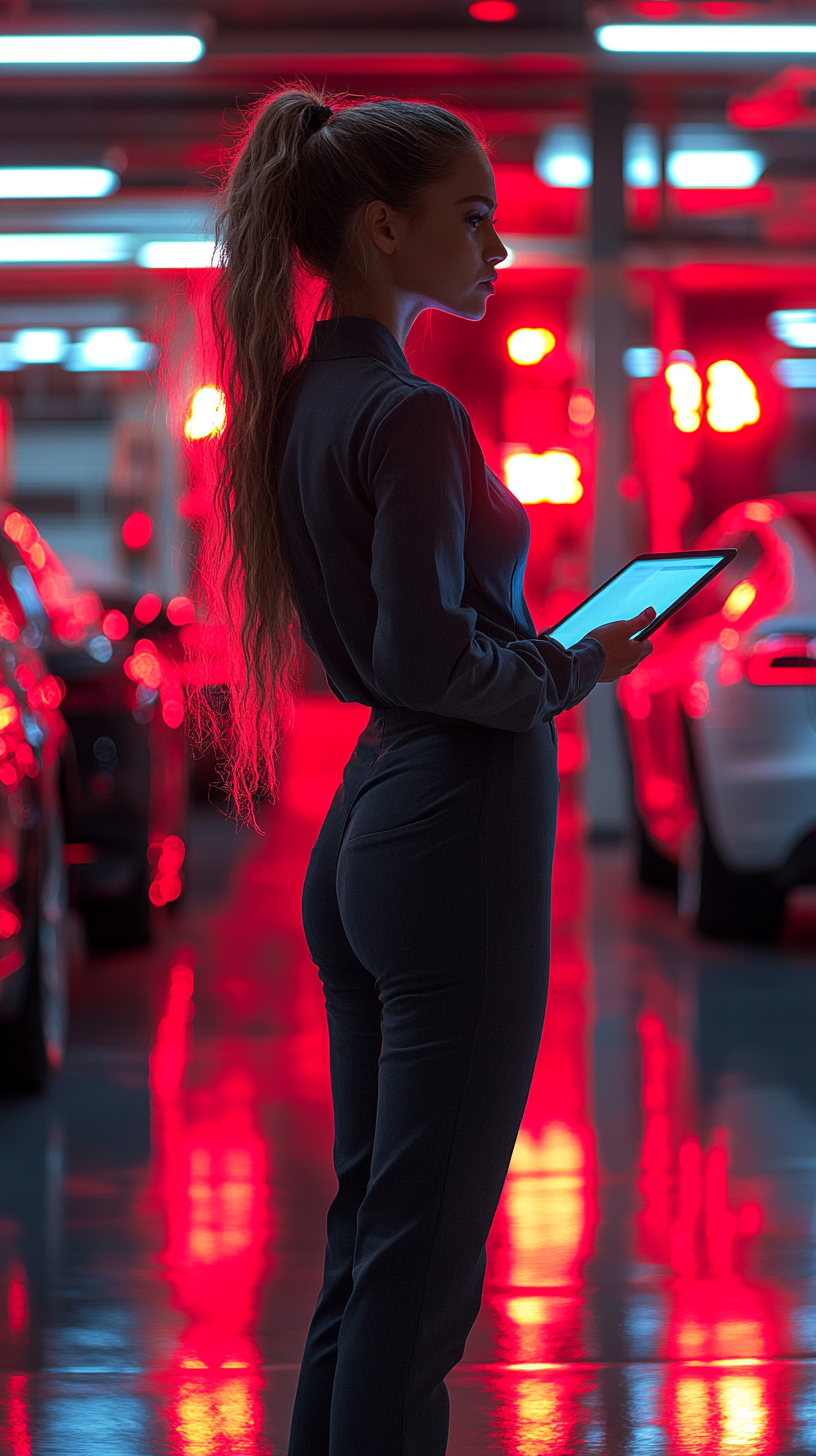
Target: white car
721	722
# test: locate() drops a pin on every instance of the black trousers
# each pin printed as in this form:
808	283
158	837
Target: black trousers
426	909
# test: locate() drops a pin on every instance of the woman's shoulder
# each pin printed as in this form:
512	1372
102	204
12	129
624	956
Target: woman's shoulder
422	400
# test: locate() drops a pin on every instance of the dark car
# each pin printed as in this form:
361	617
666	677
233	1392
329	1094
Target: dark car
120	666
34	753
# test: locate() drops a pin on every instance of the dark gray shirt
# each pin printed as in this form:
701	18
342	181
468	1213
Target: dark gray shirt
407	553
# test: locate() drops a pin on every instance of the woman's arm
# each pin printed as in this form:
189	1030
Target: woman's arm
427	653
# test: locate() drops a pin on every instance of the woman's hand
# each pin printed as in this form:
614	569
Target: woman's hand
622	654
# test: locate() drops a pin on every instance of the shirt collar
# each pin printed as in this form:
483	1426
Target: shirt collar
356	338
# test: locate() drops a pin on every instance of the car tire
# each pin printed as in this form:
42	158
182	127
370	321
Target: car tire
655	871
34	1041
122	923
736	905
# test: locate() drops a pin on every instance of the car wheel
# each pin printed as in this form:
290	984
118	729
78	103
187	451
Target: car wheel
122	923
654	870
34	1041
736	905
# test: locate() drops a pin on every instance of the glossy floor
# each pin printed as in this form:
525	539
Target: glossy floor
652	1275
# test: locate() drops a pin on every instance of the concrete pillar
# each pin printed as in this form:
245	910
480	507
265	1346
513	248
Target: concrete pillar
608	798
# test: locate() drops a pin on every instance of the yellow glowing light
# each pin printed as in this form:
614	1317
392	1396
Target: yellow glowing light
527	1310
692	1413
760	511
731	398
743	1414
529	346
207	415
546	1204
739	600
554	477
558	1150
541	1425
686	395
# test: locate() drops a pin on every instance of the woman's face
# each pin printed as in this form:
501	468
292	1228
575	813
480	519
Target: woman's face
446	258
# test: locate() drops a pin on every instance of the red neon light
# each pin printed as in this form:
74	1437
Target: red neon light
147	608
180	611
144	666
115	625
137	531
166	885
493	10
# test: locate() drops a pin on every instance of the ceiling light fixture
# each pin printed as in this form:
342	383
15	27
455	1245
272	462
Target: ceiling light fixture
57	181
730	170
176	253
100	50
795	373
795	327
665	39
36	248
99	350
564	156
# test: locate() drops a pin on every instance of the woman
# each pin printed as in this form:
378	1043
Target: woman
355	500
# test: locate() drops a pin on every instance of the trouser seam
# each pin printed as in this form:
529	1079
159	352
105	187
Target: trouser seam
474	1034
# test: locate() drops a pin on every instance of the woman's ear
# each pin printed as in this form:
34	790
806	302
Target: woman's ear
379	223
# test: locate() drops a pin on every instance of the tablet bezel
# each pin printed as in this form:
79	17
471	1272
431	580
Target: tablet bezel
720	559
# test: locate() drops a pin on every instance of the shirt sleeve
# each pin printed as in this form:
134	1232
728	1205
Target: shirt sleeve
427	654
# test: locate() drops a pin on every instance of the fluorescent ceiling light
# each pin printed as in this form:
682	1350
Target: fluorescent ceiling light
794	326
57	181
641	156
708	39
99	50
40	346
177	254
642	363
564	156
726	169
101	349
795	373
63	248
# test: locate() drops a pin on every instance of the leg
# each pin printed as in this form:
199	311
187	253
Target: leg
354	1015
451	907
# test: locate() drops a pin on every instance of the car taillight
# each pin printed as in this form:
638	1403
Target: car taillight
782	661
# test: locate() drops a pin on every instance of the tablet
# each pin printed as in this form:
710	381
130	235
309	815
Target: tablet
663	581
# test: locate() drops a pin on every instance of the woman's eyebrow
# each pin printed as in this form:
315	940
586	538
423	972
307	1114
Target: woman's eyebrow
477	197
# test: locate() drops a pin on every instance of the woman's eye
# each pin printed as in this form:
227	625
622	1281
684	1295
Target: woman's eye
475	219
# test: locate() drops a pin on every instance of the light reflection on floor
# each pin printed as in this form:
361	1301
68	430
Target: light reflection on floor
651	1280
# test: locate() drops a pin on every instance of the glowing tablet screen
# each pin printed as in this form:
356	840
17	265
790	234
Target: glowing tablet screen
662	582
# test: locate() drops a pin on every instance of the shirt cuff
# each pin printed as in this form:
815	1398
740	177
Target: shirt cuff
588	662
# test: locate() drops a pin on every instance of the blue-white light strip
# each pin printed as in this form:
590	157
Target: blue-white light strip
708	39
100	50
57	181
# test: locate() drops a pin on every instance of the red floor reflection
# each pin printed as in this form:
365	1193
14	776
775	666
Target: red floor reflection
212	1181
546	1225
722	1327
657	1299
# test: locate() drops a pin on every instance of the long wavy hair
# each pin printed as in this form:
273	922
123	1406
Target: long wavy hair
298	184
